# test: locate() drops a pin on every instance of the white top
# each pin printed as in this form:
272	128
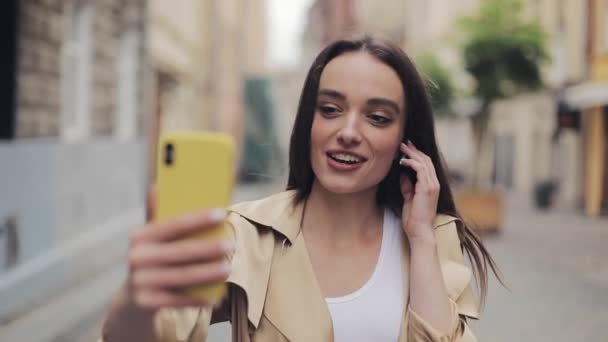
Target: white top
374	312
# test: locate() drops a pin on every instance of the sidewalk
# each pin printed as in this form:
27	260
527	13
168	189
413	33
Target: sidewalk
76	314
555	264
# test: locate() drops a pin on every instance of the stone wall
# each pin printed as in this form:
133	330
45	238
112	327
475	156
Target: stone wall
43	30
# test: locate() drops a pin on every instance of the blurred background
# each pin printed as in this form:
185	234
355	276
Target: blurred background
520	90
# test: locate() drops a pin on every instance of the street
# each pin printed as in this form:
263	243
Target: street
553	263
515	93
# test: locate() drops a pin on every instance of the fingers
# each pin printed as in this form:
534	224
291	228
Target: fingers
181	276
421	163
419	168
179	252
162	261
158	298
180	227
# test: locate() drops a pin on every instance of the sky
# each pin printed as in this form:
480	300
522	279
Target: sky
286	23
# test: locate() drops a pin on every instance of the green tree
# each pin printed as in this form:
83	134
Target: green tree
503	52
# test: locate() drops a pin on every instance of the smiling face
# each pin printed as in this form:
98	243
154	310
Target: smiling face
358	123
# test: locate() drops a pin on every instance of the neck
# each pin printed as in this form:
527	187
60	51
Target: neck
342	218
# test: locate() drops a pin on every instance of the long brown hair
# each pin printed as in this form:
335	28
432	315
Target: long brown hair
419	128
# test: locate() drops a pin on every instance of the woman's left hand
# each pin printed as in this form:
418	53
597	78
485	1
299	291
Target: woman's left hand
420	199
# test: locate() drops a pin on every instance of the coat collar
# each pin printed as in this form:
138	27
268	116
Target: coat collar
280	213
294	303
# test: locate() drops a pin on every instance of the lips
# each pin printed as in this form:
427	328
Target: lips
347	158
342	161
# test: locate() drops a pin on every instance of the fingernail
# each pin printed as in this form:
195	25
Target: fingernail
409	142
217	214
229	246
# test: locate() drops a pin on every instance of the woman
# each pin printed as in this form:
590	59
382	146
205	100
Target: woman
365	244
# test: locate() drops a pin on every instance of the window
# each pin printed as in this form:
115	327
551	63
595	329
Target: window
8	65
78	54
126	110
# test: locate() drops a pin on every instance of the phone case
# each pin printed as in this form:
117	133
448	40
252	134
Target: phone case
195	171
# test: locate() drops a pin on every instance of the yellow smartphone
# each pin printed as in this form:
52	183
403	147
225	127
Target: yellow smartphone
195	171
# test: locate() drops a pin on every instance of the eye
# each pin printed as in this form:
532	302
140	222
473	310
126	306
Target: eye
379	120
328	111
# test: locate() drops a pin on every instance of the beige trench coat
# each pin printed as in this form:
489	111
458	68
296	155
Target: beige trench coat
273	294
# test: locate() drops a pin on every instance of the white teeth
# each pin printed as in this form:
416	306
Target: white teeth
349	158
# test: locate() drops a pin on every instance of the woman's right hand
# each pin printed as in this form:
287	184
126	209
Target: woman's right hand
162	261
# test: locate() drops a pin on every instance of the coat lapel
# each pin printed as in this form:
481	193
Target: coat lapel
294	302
293	287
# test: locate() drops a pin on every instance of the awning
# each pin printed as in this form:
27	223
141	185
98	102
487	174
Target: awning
587	95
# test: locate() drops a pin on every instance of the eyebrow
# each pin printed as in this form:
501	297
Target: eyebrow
333	93
376	101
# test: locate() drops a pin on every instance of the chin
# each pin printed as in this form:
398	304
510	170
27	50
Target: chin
341	187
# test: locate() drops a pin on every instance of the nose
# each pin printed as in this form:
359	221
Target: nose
349	133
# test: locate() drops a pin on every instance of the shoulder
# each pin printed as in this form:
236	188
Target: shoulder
457	275
443	220
277	213
253	226
264	211
253	221
446	235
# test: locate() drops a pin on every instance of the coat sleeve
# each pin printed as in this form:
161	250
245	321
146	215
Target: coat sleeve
182	325
179	325
420	330
247	286
457	277
250	270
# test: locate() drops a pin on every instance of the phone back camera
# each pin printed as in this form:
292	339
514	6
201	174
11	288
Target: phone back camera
169	154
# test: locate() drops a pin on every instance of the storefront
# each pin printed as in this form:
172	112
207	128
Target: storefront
591	100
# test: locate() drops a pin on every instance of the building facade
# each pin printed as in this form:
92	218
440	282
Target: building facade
595	113
72	180
206	56
528	149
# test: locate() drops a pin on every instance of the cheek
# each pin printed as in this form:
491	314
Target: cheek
314	134
386	146
318	134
